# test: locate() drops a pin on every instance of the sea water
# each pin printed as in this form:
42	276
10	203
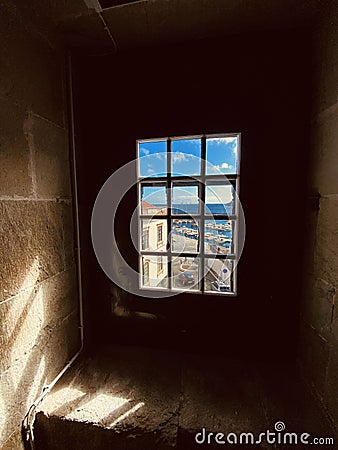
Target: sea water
213	232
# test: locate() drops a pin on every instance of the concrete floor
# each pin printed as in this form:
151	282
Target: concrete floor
138	398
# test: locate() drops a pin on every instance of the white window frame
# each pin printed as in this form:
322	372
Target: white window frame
201	181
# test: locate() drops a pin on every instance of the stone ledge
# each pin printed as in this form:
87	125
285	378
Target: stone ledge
136	398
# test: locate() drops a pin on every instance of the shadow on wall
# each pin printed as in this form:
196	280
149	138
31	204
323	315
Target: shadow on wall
28	348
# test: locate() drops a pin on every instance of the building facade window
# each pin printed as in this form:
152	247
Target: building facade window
159	265
145	273
159	234
145	238
188	212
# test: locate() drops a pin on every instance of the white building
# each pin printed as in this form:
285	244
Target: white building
153	238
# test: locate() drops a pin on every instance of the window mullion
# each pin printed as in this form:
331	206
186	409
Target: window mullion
202	209
169	211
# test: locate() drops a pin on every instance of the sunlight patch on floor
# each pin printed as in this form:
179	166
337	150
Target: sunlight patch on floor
58	399
96	409
126	414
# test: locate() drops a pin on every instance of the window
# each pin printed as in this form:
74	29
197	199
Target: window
159	234
159	265
187	188
145	238
145	272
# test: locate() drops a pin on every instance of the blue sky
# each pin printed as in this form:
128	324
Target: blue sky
155	195
188	195
184	195
218	194
155	162
186	154
221	155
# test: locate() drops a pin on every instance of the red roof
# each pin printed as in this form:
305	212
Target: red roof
146	205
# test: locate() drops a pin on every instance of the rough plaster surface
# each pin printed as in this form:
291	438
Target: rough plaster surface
39	329
14	441
319	343
136	398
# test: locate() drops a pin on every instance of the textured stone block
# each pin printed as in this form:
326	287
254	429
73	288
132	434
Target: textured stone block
38	311
15	176
331	388
325	158
24	316
17	389
285	397
310	241
22	382
325	56
133	395
318	305
68	234
63	343
219	396
31	244
334	335
14	442
21	323
51	159
326	254
32	71
60	295
314	354
180	395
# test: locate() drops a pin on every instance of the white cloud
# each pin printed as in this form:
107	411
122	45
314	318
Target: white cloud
185	198
179	157
223	140
159	155
150	170
145	151
212	169
224	165
219	194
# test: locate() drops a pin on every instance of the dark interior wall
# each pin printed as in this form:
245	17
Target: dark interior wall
319	317
256	84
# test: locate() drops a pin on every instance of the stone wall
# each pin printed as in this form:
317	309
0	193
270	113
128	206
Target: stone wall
39	326
319	311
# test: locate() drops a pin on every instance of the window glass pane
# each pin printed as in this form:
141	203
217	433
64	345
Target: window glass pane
218	236
218	275
185	199
185	273
153	200
152	159
186	154
219	199
154	271
154	235
184	236
222	155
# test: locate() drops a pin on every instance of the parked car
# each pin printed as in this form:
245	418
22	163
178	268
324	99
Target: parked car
219	286
186	278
